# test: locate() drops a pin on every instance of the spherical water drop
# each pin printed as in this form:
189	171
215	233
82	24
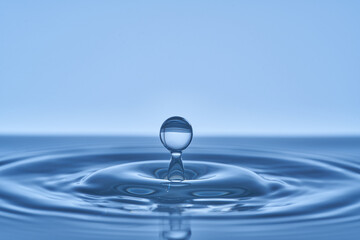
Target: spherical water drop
176	134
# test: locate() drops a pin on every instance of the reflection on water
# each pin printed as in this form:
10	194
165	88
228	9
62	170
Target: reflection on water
176	228
117	188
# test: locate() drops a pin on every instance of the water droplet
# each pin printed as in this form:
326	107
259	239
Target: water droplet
176	135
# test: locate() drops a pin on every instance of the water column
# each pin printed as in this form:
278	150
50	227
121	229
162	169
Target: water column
176	135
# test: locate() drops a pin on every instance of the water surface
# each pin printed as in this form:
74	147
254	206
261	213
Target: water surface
234	188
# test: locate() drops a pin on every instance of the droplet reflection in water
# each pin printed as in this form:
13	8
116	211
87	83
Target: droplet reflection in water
176	135
176	228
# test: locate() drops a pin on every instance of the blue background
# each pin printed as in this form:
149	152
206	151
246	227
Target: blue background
229	67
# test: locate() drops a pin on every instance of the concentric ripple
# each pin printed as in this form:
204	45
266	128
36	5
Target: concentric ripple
240	183
208	186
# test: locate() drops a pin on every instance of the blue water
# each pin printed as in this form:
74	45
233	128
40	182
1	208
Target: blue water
234	188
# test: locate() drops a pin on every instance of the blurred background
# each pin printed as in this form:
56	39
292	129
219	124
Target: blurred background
229	67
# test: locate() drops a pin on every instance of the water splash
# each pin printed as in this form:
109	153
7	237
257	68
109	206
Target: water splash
176	135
